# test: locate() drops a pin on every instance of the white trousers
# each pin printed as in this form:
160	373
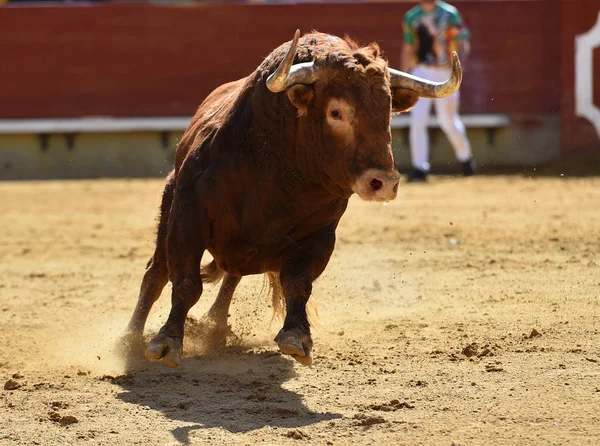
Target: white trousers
447	114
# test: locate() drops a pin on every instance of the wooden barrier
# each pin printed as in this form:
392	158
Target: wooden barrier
145	60
578	134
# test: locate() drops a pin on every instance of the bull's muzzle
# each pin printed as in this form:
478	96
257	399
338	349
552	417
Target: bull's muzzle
377	185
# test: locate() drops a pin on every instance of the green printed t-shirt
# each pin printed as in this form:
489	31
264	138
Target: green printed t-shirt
434	34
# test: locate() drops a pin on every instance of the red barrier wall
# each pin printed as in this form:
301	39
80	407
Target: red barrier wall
145	60
162	60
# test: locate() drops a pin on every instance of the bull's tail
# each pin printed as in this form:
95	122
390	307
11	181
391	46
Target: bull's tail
278	300
211	273
277	297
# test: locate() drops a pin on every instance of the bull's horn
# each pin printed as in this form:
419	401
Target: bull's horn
425	88
288	74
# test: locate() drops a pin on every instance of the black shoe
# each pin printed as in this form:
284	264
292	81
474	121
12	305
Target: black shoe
416	175
469	168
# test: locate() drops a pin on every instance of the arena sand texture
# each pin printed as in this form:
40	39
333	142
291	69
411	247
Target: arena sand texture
466	312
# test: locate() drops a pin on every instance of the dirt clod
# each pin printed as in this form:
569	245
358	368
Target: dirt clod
391	406
257	397
473	350
470	350
63	420
119	379
485	352
285	412
185	405
365	420
297	434
55	405
11	384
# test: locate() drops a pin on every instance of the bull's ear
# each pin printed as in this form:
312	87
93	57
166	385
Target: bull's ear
300	96
403	100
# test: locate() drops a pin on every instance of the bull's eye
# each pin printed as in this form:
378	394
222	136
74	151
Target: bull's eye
335	114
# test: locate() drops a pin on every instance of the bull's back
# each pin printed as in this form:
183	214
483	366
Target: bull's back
207	119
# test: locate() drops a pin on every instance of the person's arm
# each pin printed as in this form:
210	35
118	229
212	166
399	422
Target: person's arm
460	37
407	59
463	48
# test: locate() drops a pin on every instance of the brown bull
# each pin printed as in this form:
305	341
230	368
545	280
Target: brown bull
263	175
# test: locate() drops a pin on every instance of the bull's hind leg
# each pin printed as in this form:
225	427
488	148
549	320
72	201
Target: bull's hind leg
299	269
219	311
185	247
215	320
157	274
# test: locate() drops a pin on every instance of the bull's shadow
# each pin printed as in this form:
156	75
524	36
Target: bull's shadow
238	391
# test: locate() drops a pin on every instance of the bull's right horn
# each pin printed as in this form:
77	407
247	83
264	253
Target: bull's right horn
425	88
288	74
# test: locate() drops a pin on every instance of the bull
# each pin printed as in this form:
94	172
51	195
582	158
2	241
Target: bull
263	175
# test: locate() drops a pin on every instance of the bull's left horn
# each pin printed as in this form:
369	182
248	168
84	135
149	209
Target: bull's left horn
425	88
288	74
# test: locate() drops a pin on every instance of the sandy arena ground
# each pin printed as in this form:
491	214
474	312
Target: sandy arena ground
466	312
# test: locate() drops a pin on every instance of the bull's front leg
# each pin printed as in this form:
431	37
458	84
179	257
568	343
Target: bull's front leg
298	270
185	246
294	338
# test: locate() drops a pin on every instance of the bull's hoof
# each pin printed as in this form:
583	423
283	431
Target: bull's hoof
296	344
169	349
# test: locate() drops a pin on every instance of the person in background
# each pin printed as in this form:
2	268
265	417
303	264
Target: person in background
432	30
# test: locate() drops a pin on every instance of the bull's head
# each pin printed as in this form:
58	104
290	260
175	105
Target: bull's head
344	99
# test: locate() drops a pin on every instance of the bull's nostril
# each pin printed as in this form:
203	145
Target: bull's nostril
396	187
376	184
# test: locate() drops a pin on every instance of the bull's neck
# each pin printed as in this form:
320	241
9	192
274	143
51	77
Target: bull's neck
294	163
295	159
